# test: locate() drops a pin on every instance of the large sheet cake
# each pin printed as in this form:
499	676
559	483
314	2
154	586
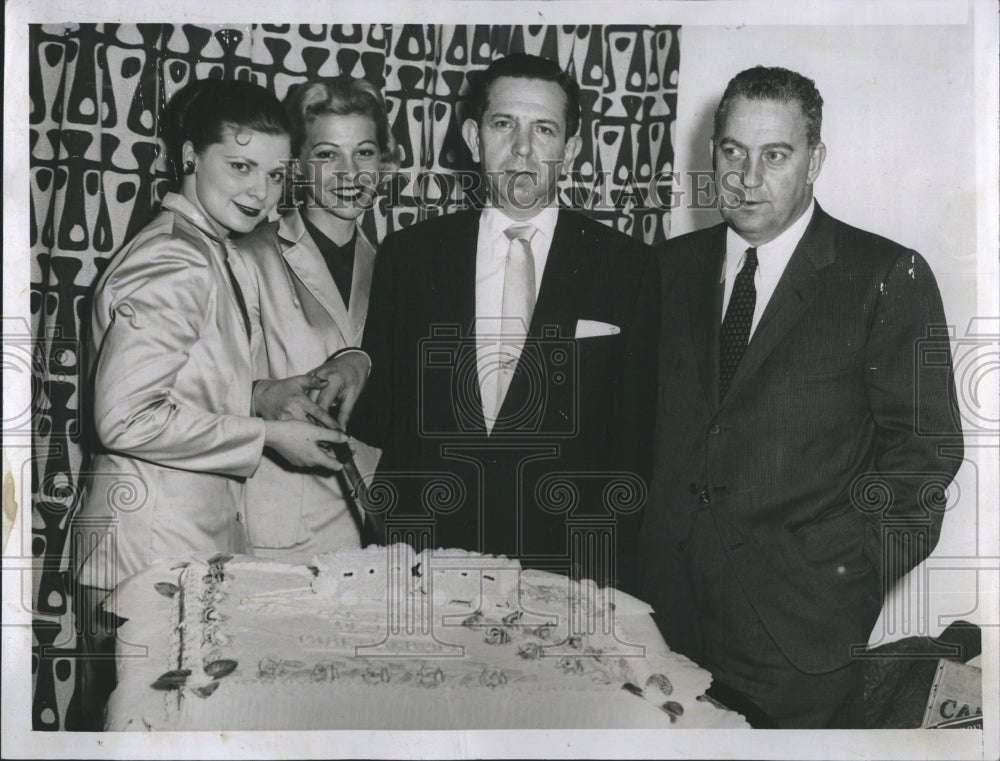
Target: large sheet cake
384	638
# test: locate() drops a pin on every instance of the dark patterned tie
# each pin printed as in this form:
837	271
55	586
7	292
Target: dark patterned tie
735	333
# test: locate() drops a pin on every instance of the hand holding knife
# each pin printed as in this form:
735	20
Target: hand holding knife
342	451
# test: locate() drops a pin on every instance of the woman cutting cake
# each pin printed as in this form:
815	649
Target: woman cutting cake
310	274
171	356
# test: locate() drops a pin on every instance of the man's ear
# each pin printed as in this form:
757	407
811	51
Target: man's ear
711	150
816	159
571	151
470	133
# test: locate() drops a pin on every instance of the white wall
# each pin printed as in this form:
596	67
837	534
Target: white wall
899	126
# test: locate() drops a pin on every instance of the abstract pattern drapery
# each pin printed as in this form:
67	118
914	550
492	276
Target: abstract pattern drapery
96	174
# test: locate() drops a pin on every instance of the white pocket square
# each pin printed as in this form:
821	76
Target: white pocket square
591	328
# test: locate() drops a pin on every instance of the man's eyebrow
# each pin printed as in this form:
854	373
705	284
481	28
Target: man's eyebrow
766	147
243	158
512	117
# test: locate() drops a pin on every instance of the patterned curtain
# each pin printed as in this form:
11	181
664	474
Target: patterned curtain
97	174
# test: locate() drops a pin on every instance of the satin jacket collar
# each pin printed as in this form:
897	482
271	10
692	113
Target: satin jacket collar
291	230
303	257
181	206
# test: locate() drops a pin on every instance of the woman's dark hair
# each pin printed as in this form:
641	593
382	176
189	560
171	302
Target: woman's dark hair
340	96
203	109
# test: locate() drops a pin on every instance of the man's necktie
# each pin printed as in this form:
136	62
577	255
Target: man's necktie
735	332
518	304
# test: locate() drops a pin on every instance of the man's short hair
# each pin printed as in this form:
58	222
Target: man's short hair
526	66
775	83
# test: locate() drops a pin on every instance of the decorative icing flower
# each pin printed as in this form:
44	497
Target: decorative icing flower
512	618
570	665
544	632
324	672
429	677
204	690
492	677
474	620
216	569
267	668
530	651
209	614
496	636
599	677
375	675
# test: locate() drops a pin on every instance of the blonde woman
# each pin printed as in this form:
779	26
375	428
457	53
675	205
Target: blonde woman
311	272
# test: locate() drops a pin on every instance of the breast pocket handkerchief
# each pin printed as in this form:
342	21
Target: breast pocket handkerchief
592	328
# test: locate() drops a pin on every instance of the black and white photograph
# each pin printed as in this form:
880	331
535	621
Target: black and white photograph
501	379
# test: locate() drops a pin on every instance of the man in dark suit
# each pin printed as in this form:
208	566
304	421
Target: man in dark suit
507	350
803	445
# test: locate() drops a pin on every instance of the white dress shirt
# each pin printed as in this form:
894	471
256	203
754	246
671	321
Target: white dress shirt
491	260
772	258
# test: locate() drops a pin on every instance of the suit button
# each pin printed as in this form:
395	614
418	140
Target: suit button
680	546
714	429
703	497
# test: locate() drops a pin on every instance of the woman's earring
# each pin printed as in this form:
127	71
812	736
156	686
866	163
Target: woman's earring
189	167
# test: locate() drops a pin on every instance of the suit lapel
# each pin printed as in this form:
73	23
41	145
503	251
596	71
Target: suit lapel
565	267
798	287
705	310
306	261
456	272
361	281
455	297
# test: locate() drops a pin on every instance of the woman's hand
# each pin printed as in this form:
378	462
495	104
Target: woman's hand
344	378
289	399
304	445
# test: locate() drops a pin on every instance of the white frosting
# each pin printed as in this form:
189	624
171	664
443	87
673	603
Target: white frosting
384	638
